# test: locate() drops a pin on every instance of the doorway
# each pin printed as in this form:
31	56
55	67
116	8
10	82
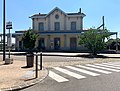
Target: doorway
73	43
56	43
41	44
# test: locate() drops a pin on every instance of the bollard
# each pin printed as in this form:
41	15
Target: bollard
36	75
40	60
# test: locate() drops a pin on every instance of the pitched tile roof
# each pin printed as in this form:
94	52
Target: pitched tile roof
45	15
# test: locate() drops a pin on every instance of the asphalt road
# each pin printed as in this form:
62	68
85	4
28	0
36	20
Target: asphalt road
109	82
80	78
104	82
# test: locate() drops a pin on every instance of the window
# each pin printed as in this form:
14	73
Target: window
41	26
57	16
73	25
57	26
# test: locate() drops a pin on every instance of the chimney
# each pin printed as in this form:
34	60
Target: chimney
80	10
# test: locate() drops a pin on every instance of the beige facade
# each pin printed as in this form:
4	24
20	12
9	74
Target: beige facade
58	30
64	19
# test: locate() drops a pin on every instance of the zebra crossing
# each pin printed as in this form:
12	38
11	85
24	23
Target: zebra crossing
83	71
57	77
62	74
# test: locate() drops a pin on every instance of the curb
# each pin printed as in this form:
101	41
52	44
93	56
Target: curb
25	84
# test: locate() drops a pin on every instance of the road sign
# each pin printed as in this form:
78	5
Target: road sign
8	25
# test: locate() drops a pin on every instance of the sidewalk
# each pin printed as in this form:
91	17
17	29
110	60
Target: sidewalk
15	76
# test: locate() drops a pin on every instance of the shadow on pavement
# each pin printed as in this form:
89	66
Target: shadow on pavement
26	67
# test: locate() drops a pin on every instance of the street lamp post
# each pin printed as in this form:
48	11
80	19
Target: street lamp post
3	30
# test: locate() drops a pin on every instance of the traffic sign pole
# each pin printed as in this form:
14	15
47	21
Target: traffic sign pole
9	26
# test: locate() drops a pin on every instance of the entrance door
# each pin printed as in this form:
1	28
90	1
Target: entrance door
73	43
41	44
56	43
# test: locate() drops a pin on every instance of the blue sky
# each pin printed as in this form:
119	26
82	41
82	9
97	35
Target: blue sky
18	11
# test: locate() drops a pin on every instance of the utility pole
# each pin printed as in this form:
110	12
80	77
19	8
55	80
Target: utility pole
103	23
3	30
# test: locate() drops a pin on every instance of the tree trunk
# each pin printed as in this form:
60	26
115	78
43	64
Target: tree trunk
94	53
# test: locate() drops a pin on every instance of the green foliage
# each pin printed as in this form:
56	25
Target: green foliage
93	39
29	39
110	41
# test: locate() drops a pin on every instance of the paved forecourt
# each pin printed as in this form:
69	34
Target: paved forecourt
67	73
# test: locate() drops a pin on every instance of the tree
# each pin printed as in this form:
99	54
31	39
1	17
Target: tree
94	40
29	39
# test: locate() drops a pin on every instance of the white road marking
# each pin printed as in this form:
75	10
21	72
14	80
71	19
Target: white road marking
115	62
108	66
83	71
57	77
74	57
103	68
69	73
111	64
98	70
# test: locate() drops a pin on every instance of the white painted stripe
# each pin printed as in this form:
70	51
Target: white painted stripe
74	57
57	77
69	73
98	70
83	71
115	62
108	66
111	64
103	68
118	63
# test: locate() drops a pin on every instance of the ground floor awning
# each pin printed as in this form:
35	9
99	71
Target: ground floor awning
61	32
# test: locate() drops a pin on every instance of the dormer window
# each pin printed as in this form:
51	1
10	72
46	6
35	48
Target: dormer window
56	16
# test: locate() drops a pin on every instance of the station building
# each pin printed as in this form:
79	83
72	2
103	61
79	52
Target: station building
58	30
